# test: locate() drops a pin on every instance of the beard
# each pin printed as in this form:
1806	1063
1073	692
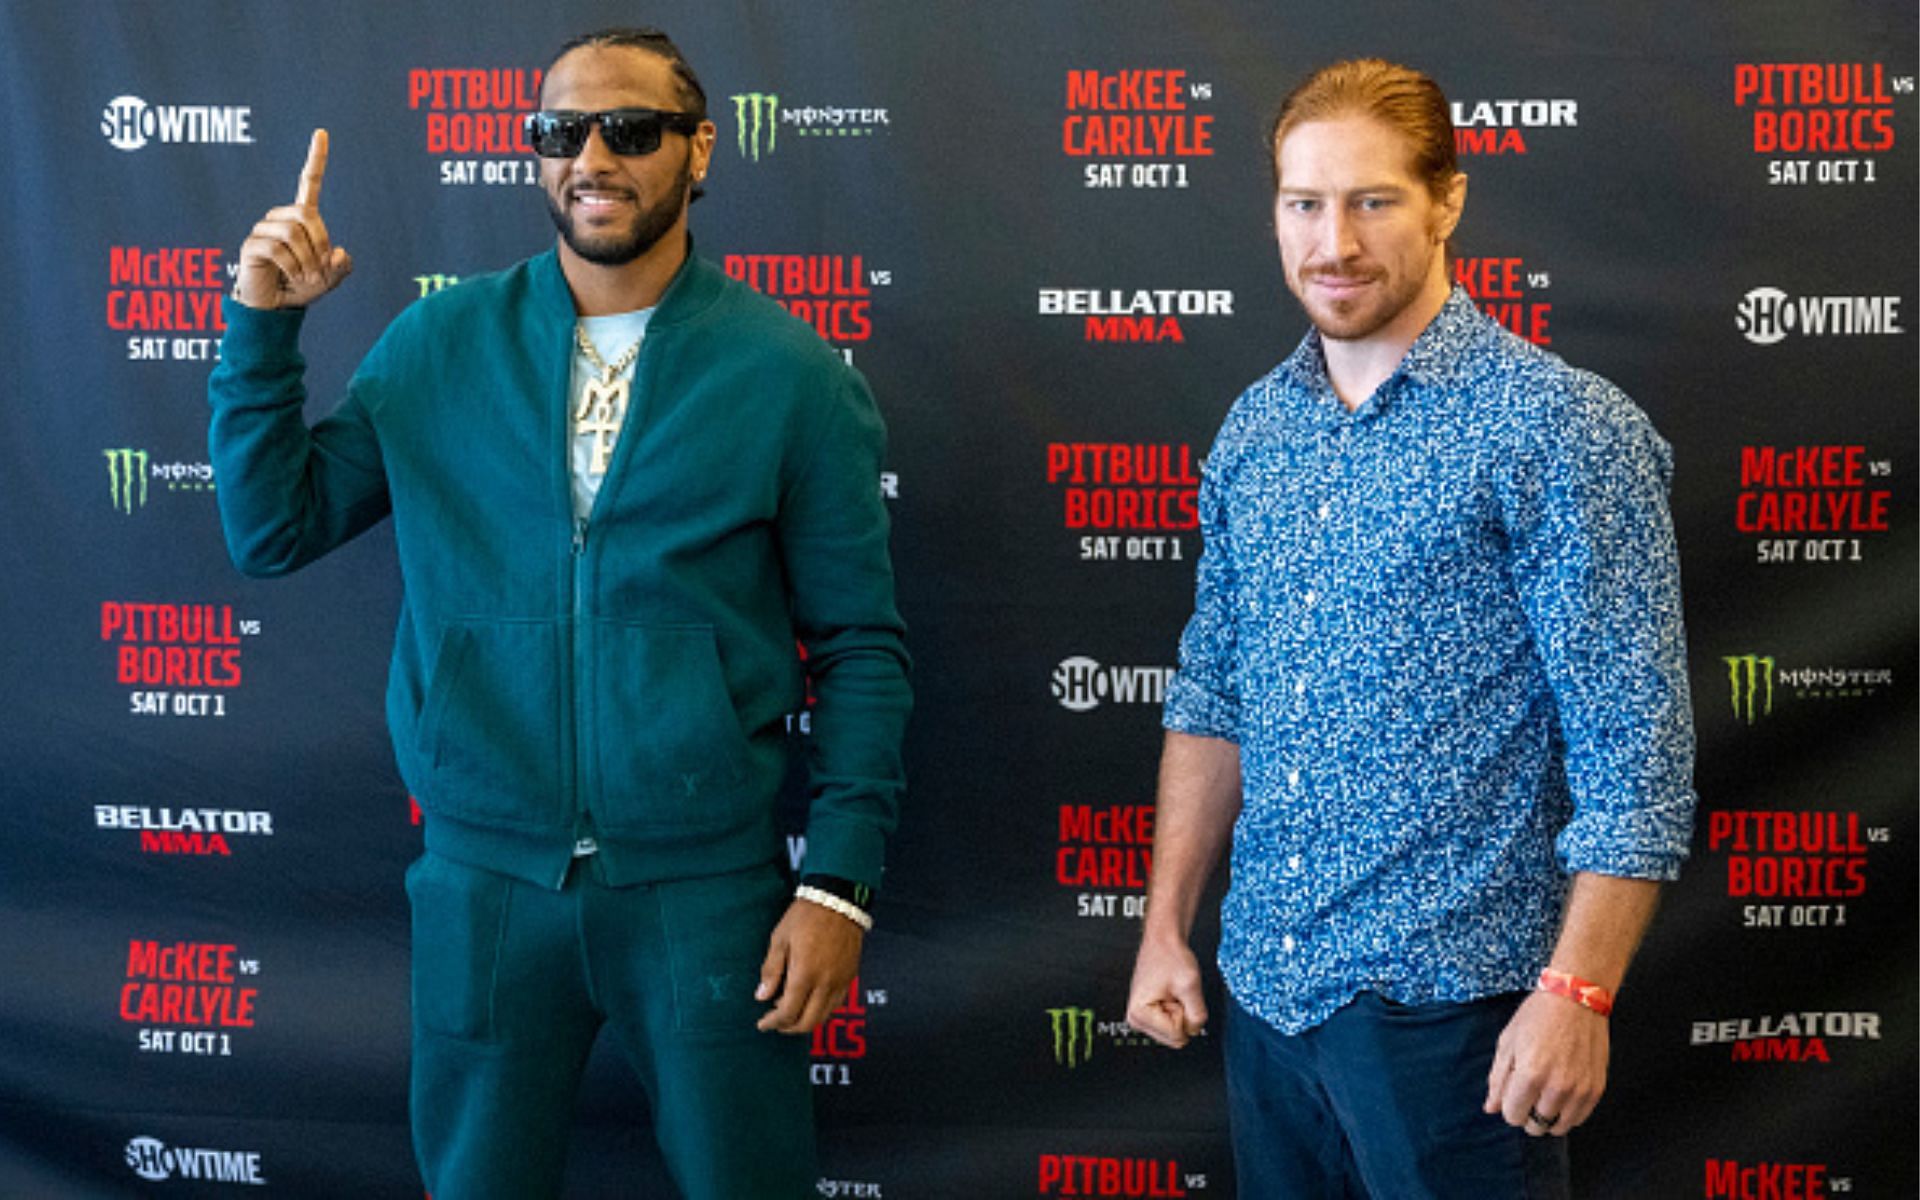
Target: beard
1364	315
613	248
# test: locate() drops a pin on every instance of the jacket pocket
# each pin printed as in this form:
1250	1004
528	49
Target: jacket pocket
667	748
490	733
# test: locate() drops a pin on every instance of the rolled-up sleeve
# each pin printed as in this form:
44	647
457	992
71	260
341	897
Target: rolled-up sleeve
1597	570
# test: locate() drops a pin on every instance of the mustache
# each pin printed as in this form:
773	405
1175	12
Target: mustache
1341	274
575	187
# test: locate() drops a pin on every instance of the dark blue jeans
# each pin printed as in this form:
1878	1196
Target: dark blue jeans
1382	1101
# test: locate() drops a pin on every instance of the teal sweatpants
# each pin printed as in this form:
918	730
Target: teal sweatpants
511	984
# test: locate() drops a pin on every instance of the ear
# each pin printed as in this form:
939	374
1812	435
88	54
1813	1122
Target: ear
702	151
1451	207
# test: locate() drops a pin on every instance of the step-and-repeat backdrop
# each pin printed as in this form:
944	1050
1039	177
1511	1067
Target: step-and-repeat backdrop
1043	232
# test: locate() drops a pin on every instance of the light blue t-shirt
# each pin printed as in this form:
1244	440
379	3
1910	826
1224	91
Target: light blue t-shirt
595	433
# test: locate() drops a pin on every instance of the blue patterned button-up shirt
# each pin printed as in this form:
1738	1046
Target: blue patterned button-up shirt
1444	629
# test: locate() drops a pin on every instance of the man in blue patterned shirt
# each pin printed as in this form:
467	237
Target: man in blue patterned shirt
1434	688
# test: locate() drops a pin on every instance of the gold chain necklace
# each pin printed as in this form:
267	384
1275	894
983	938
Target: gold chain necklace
603	403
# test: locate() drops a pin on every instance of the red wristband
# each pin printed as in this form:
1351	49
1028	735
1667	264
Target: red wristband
1586	995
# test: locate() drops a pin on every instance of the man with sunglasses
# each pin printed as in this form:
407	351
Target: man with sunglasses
623	486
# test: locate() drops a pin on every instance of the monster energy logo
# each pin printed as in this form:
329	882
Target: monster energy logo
754	113
1072	1035
125	469
1748	674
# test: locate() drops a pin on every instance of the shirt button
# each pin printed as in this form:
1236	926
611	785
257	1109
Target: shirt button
1326	510
1309	598
1293	862
1287	943
1299	687
1293	778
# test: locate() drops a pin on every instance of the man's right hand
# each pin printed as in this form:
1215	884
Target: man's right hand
1165	1001
288	260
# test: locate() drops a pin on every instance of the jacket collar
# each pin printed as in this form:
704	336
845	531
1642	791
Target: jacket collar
694	287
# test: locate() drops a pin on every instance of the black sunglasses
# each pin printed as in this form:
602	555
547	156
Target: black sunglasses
561	133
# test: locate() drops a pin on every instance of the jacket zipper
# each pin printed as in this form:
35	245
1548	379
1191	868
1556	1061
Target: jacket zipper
583	838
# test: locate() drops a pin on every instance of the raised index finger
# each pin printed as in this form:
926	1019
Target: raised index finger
309	194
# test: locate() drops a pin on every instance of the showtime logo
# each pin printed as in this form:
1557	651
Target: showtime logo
155	1162
129	123
1081	685
1503	126
1767	315
831	292
1145	315
1730	1179
1793	1037
1091	1175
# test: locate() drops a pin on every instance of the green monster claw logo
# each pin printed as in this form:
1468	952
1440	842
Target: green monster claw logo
126	472
753	114
1072	1035
1749	674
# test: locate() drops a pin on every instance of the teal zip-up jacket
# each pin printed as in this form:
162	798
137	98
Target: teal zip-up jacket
626	680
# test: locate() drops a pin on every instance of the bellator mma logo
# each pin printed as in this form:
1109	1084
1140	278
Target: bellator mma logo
188	997
1812	503
1503	126
1820	108
163	297
1793	1037
1142	118
831	292
1506	291
176	646
1143	315
472	113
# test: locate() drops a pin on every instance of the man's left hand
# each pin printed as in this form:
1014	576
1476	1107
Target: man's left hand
1549	1067
812	957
